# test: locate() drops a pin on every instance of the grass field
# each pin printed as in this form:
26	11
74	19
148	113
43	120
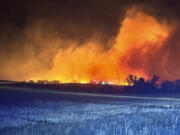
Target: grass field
33	112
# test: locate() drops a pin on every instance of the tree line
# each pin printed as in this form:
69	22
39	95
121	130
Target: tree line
140	85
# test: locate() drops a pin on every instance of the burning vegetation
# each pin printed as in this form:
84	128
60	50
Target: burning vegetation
142	47
138	41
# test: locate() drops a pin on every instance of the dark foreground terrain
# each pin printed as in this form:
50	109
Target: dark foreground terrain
35	112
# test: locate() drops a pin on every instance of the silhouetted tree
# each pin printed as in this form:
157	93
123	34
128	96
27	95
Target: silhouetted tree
154	80
141	81
140	85
132	80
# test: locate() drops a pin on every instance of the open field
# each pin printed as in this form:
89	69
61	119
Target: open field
33	112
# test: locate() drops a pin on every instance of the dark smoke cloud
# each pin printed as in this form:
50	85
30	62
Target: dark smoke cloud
71	18
30	29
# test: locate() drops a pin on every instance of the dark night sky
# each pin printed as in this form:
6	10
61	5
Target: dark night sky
100	15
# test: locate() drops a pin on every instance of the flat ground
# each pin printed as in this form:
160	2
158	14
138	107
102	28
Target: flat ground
33	112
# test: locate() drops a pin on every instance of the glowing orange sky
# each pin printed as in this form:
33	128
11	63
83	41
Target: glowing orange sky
91	61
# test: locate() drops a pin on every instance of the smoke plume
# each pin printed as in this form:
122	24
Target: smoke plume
107	41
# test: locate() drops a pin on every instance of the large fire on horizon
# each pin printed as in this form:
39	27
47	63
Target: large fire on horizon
137	49
138	40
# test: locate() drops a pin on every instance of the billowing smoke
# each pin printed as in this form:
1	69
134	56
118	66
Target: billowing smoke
103	44
27	53
139	39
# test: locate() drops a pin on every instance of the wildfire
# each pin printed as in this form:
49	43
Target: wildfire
139	38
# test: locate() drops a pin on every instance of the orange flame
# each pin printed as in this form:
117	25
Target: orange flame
139	33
